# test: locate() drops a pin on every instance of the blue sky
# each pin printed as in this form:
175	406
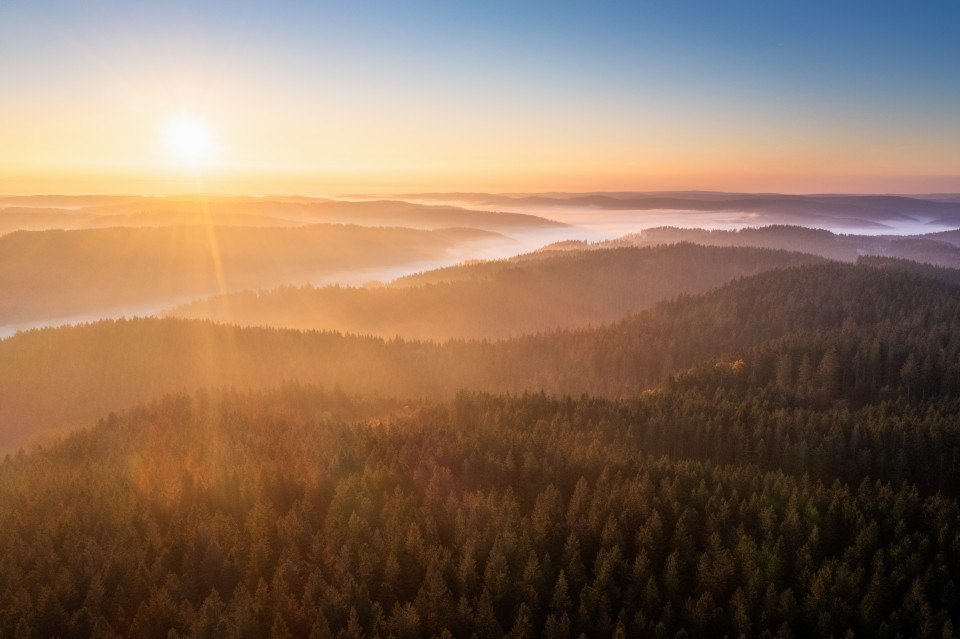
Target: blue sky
641	94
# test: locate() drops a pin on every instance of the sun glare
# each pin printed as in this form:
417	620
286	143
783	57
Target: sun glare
189	140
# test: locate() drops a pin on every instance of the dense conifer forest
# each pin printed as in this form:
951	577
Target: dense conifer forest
298	512
778	456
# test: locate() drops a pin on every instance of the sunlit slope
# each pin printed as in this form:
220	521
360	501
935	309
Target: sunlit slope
888	329
52	274
941	249
507	298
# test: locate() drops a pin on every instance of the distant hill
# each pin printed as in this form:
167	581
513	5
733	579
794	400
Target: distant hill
41	219
64	201
320	210
174	217
52	274
833	210
506	298
939	249
64	212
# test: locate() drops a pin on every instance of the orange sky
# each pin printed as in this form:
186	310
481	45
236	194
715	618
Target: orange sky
369	98
100	180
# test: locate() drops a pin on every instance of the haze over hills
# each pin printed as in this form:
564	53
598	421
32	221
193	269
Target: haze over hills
599	216
135	255
506	298
76	212
875	319
315	210
941	249
64	201
829	211
30	219
581	284
53	274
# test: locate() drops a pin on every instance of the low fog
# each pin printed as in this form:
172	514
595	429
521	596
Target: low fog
508	238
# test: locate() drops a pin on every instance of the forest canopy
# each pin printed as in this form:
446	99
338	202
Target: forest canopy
776	456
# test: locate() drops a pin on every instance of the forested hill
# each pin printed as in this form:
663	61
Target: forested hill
506	298
935	248
52	274
884	331
319	210
84	212
672	262
943	274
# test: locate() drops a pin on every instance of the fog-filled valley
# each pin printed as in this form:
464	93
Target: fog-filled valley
122	256
458	414
86	270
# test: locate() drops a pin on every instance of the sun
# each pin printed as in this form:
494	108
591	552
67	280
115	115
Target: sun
189	140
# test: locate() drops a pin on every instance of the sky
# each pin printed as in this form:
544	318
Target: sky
323	98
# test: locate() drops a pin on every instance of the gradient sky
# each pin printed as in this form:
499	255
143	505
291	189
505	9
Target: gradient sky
322	97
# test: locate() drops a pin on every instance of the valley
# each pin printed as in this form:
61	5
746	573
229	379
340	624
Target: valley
672	431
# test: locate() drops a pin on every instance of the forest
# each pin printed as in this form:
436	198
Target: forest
299	512
669	441
500	298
